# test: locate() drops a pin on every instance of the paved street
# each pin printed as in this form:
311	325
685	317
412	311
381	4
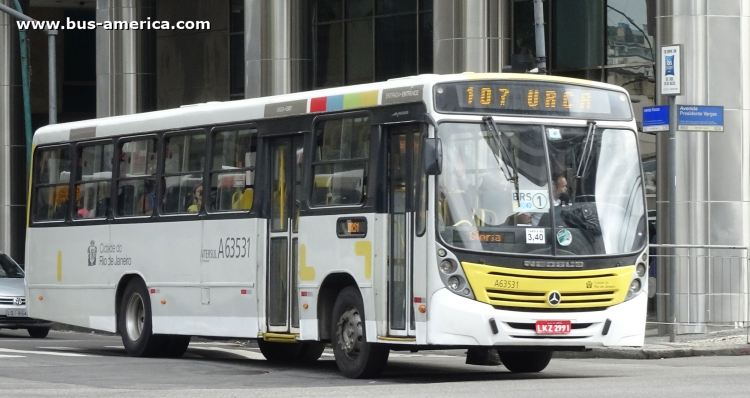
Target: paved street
86	365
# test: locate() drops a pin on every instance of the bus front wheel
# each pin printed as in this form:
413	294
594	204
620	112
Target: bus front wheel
355	357
525	361
134	322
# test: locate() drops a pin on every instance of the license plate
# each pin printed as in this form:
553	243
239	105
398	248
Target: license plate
553	327
17	313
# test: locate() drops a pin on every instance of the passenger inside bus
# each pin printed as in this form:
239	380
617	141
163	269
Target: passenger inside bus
85	204
144	205
197	199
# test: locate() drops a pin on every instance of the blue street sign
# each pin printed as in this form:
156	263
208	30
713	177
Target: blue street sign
700	118
655	118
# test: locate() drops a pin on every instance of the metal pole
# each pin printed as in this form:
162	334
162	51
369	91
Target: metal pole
672	156
52	77
52	73
14	13
25	83
541	52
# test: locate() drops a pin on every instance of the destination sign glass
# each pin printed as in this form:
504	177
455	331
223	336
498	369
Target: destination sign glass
531	98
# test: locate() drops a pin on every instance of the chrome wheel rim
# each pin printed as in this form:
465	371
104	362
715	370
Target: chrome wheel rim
135	317
350	334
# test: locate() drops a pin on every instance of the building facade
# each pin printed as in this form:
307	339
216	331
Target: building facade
263	47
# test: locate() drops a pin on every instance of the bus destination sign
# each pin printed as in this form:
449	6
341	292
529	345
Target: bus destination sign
531	99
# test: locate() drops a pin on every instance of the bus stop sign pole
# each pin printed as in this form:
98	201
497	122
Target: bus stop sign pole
671	86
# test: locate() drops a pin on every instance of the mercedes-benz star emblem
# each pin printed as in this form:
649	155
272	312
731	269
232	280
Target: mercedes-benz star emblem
553	298
18	300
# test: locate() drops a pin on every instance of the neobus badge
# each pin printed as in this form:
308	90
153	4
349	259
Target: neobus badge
553	264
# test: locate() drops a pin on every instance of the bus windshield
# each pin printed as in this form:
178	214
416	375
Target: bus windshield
578	193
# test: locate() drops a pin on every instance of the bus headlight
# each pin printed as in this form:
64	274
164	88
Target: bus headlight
452	273
454	283
448	267
640	270
635	286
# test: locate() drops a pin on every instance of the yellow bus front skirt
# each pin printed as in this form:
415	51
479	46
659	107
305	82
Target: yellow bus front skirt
506	288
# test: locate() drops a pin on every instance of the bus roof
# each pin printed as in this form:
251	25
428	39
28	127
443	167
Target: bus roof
400	90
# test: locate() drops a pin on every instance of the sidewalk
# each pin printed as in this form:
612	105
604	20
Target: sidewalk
724	343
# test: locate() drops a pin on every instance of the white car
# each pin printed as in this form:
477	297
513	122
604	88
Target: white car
13	313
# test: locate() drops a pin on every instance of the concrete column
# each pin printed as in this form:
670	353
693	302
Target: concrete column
125	62
471	35
277	54
12	141
713	169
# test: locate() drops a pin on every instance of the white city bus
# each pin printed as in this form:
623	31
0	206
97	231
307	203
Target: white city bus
494	212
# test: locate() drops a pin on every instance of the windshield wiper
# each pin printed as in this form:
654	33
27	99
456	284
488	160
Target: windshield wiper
588	145
495	132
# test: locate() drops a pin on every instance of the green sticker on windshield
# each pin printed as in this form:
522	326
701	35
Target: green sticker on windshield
564	237
554	134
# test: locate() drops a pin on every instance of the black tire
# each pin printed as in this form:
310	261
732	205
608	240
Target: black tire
134	322
310	351
355	357
38	333
525	361
279	352
175	346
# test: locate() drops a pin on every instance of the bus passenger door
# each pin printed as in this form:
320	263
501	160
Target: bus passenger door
402	177
282	312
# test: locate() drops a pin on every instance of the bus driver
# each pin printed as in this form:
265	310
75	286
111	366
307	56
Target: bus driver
560	190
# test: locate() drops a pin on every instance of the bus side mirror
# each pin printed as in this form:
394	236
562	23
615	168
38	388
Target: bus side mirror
432	156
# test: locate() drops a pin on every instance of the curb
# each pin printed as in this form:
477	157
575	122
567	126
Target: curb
655	353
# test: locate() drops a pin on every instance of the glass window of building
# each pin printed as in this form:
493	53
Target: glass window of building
237	49
362	41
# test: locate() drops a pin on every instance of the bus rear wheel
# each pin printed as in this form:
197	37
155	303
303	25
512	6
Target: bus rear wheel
134	322
525	361
355	357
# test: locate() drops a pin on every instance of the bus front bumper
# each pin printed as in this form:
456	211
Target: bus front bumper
455	320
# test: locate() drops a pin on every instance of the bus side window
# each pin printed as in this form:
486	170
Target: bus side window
51	184
184	160
136	182
93	176
232	174
342	147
